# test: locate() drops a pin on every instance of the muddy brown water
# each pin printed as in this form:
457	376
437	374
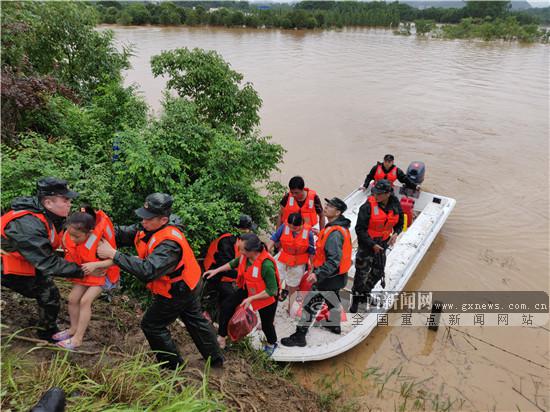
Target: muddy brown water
477	114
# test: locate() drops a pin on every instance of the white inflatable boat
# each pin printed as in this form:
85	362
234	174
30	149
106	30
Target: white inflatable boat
431	212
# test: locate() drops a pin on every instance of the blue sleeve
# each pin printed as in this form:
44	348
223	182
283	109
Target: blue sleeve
277	235
311	248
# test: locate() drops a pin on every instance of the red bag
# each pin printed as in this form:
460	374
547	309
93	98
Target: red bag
305	285
241	323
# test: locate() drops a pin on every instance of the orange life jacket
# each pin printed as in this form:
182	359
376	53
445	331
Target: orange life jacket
13	263
381	223
87	252
309	215
294	249
251	277
213	249
391	176
320	256
191	272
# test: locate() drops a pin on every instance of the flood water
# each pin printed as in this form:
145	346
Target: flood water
477	114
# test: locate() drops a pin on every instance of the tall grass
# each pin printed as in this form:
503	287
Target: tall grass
130	384
259	361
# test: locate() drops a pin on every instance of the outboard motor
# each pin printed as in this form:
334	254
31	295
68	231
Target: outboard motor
416	171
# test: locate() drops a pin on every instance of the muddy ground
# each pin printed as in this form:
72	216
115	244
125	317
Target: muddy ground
116	326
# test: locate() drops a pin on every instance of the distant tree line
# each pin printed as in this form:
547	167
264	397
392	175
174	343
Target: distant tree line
311	14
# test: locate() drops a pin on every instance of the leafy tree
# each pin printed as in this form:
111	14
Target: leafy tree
542	14
169	17
211	173
526	18
310	23
320	17
110	15
155	11
423	27
252	21
124	18
107	4
191	18
36	156
286	23
207	80
486	8
182	13
237	18
298	18
52	49
202	16
139	13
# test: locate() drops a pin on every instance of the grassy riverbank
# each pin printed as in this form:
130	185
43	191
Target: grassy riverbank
114	370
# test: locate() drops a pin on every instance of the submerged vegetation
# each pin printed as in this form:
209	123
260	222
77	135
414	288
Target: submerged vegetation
499	29
507	29
488	20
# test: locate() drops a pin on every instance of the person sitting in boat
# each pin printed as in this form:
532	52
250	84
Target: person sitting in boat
387	170
222	250
296	255
303	200
258	282
331	265
379	222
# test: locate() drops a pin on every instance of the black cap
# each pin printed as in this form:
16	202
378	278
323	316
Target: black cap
389	157
52	186
381	186
245	222
337	203
156	204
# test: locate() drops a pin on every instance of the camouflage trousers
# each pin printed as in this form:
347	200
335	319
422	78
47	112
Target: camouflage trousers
43	289
369	270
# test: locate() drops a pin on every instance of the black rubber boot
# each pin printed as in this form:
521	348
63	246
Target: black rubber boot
164	347
298	338
217	363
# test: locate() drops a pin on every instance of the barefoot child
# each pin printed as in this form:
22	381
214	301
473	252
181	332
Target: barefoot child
85	230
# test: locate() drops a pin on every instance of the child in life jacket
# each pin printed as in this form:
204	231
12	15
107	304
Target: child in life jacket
85	230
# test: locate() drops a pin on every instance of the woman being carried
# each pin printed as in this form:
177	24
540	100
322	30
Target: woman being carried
85	230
